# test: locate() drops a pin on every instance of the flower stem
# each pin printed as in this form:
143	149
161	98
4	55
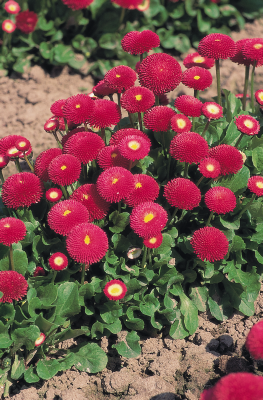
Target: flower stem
28	163
122	15
196	93
200	180
57	139
11	257
64	192
193	124
169	166
18	166
244	100
131	120
141	57
173	215
218	82
143	264
150	257
239	140
2	176
209	218
83	270
119	206
157	100
252	86
186	165
102	133
66	125
247	205
140	121
54	276
205	128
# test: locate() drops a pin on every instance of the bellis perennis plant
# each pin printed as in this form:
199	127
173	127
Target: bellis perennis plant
131	222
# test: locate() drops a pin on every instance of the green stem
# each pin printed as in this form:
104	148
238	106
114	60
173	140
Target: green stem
244	100
28	163
18	166
209	218
122	15
102	133
83	271
163	143
54	277
11	258
2	176
119	207
186	166
157	100
247	205
205	128
143	264
200	180
57	139
174	214
252	86
64	192
140	121
196	93
218	82
239	140
150	257
169	166
141	57
86	126
193	123
66	125
131	120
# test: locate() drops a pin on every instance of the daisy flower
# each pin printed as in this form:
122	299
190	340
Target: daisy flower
115	184
220	199
148	219
13	286
209	244
58	261
196	60
189	105
217	45
115	289
229	158
182	193
145	189
64	169
189	147
12	230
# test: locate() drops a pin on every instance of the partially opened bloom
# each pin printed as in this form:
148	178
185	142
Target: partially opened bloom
105	113
255	184
40	340
8	26
12	230
58	261
239	57
254	341
130	4
87	243
212	110
247	124
209	244
134	147
253	49
8	146
189	147
120	78
88	195
77	4
220	199
12	7
196	60
154	242
229	158
259	97
217	45
180	123
197	78
64	169
122	133
85	146
182	193
145	189
115	289
57	107
22	190
189	105
64	215
115	184
137	99
4	160
110	156
209	168
148	219
160	73
158	118
39	271
42	162
51	125
13	286
23	145
78	108
26	21
102	89
135	42
53	195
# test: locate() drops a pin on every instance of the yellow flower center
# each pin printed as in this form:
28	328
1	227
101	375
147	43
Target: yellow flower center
153	240
138	97
77	106
58	260
12	7
148	217
118	76
63	167
196	77
8	26
53	195
85	196
66	213
6	226
261	96
138	185
134	145
217	40
22	144
210	167
50	124
181	123
87	239
115	289
259	185
198	59
12	151
114	155
257	46
115	180
248	123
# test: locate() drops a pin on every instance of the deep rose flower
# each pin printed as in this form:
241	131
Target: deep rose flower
229	158
78	108
57	107
8	26
135	42
154	241
253	49
220	199
163	99
189	105
247	124
120	78
212	110
148	219
71	133
51	125
77	4
13	286
58	261
66	214
105	113
102	89
259	97
254	341
23	144
85	146
137	99
7	146
88	195
180	123
122	133
130	4
64	169
26	21
53	195
62	127
217	45
87	243
182	193
12	230
39	271
189	147
209	244
115	184
22	190
160	73
197	78
196	60
134	147
13	152
12	7
209	168
115	289
40	340
110	156
4	160
145	189
158	118
42	162
239	58
255	184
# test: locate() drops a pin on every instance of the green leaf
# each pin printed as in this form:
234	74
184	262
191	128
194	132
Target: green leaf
5	340
134	324
198	295
181	43
215	309
46	50
25	336
149	305
189	7
45	25
90	358
109	41
68	300
62	53
30	375
257	158
20	262
71	333
165	247
110	312
121	243
120	221
47	294
18	368
115	327
46	369
212	10
130	347
178	330
237	244
21	65
236	182
203	23
190	313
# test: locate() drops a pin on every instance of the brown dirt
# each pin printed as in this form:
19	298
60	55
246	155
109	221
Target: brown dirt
167	369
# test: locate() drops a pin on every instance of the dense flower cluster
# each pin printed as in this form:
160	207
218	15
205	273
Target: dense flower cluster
140	42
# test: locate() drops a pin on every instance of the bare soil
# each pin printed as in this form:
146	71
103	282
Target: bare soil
167	369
